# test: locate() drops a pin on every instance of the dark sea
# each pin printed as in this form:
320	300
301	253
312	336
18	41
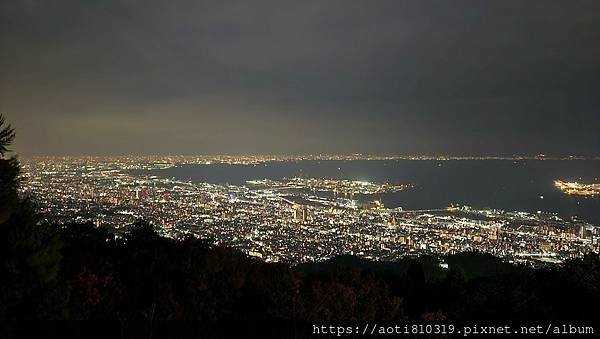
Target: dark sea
526	185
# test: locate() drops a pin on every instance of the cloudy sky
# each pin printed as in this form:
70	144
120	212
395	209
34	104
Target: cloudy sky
200	77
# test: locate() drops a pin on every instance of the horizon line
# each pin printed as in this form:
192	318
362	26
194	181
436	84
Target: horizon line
320	156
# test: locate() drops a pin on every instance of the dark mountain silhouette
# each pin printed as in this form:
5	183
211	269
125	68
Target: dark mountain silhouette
131	286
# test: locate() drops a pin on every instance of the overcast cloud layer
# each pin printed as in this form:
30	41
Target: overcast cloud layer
197	77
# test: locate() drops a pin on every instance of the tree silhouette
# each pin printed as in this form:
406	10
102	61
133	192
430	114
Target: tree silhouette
7	136
9	172
29	253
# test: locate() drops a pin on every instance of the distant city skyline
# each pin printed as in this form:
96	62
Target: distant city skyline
273	77
296	212
266	157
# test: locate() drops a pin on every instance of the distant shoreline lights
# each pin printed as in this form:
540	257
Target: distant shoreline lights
576	188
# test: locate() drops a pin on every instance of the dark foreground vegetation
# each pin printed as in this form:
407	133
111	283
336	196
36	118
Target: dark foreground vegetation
128	287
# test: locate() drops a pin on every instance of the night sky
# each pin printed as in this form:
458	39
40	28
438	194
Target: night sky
205	77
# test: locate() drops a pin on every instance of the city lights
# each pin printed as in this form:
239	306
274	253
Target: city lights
292	220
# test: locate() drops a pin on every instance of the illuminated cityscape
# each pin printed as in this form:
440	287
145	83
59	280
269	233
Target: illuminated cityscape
291	220
575	188
299	169
344	187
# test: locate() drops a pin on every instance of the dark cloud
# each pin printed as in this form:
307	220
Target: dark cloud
301	76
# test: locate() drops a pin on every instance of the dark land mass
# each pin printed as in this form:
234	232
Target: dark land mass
131	286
